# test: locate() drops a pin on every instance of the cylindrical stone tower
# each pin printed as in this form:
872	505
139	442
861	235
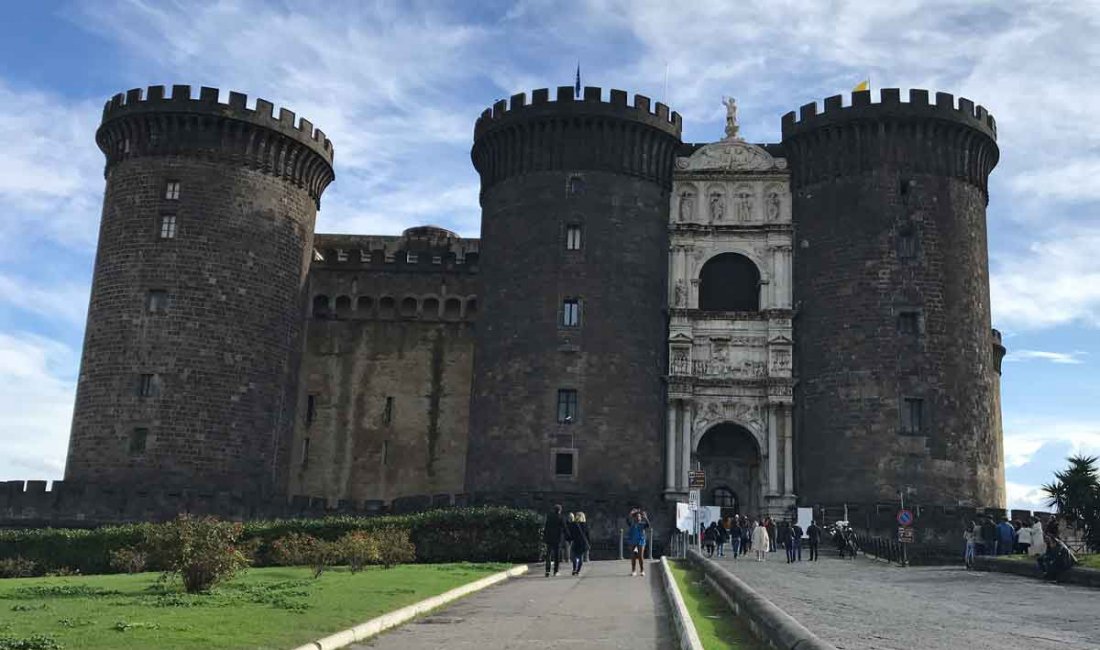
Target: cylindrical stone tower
571	335
895	352
193	332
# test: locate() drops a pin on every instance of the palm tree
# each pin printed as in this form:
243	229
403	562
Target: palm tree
1076	495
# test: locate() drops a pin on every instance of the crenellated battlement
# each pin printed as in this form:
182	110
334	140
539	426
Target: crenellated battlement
504	112
148	123
425	248
890	106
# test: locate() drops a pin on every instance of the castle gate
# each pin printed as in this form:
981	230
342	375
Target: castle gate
730	456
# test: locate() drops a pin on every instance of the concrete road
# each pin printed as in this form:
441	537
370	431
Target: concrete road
604	608
867	604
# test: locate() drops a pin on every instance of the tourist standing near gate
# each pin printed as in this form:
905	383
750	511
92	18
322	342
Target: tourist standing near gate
761	542
1038	544
578	540
1023	537
736	533
785	539
796	537
814	533
636	538
970	535
769	526
1006	537
553	531
723	537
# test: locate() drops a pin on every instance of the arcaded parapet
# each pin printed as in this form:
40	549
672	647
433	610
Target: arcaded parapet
568	393
193	336
894	349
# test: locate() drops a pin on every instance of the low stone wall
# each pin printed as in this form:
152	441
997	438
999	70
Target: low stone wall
1076	576
770	623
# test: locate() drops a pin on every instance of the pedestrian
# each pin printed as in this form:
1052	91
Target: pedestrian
723	538
636	539
1023	537
813	532
970	534
769	525
1038	541
736	533
761	543
748	525
1006	537
786	540
796	537
577	529
710	539
553	532
1053	529
989	536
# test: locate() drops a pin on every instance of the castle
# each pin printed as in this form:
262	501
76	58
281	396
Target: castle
808	321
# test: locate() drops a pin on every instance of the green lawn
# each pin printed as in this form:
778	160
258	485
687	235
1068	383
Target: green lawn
1091	560
716	624
275	607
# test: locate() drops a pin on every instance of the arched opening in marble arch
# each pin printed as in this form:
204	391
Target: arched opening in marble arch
730	456
729	282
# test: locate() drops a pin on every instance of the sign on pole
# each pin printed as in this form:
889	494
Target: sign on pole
905	517
697	479
693	499
905	535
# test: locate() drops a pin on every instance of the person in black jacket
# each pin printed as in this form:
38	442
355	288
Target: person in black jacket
578	539
553	532
814	533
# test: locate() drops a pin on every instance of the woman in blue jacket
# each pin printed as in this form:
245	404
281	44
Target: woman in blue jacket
636	538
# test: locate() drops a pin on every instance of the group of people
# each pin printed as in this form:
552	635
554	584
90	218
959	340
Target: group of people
761	536
988	537
558	529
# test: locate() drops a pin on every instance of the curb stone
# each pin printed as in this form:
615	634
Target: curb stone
681	618
767	620
377	625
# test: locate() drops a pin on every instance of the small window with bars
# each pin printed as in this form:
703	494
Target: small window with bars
571	312
912	415
168	226
565	464
156	300
907	245
573	237
139	438
172	191
909	323
147	385
567	406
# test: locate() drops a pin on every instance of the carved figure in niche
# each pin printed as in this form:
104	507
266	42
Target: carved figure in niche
781	360
679	361
773	205
679	294
744	205
717	206
687	205
731	117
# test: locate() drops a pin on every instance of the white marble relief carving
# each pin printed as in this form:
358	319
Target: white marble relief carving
687	205
730	155
744	204
717	205
773	204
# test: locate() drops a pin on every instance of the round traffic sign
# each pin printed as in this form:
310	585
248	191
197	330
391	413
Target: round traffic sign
905	517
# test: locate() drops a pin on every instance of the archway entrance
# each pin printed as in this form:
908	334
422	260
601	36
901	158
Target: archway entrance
729	455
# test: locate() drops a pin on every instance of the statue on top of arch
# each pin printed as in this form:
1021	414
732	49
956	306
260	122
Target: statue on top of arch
732	128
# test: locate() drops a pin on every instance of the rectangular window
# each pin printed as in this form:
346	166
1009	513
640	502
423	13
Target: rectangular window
573	237
564	464
912	415
168	226
571	312
172	191
387	415
311	409
305	451
147	385
341	255
907	246
567	406
909	323
138	438
411	258
156	300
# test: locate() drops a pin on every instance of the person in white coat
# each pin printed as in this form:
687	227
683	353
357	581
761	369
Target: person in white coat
1038	544
1023	539
760	541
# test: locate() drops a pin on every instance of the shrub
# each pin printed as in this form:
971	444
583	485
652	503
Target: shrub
358	549
33	642
17	567
325	554
129	560
395	546
295	549
203	552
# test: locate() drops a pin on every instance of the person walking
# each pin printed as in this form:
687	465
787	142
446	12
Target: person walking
796	537
989	536
636	539
723	537
761	542
785	540
1038	541
769	526
813	532
1006	537
970	534
710	539
578	540
553	532
735	536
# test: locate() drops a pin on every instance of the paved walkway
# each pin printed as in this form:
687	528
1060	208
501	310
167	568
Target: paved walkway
603	608
866	604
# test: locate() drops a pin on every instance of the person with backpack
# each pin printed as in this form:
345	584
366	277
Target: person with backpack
578	540
553	532
710	539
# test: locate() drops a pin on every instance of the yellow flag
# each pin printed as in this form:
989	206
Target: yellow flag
863	85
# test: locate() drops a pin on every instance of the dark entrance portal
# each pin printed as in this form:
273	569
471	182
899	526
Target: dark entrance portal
729	455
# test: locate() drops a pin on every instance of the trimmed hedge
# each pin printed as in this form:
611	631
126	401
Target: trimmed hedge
488	534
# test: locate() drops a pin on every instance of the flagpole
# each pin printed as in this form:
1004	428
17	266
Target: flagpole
664	98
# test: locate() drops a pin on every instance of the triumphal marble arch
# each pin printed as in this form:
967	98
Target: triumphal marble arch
730	340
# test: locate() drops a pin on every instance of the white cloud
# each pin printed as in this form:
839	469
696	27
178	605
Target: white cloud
67	301
1025	497
1053	357
36	406
1024	437
1054	281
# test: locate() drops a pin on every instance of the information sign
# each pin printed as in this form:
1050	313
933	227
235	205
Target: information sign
697	479
693	499
905	535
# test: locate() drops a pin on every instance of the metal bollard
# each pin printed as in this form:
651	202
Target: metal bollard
621	544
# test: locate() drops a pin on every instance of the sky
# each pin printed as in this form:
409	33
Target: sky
397	86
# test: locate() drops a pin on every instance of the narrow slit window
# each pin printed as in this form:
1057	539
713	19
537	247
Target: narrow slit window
156	300
311	409
909	323
907	245
172	191
567	406
912	415
168	226
147	385
573	237
385	452
305	451
387	414
138	439
571	312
